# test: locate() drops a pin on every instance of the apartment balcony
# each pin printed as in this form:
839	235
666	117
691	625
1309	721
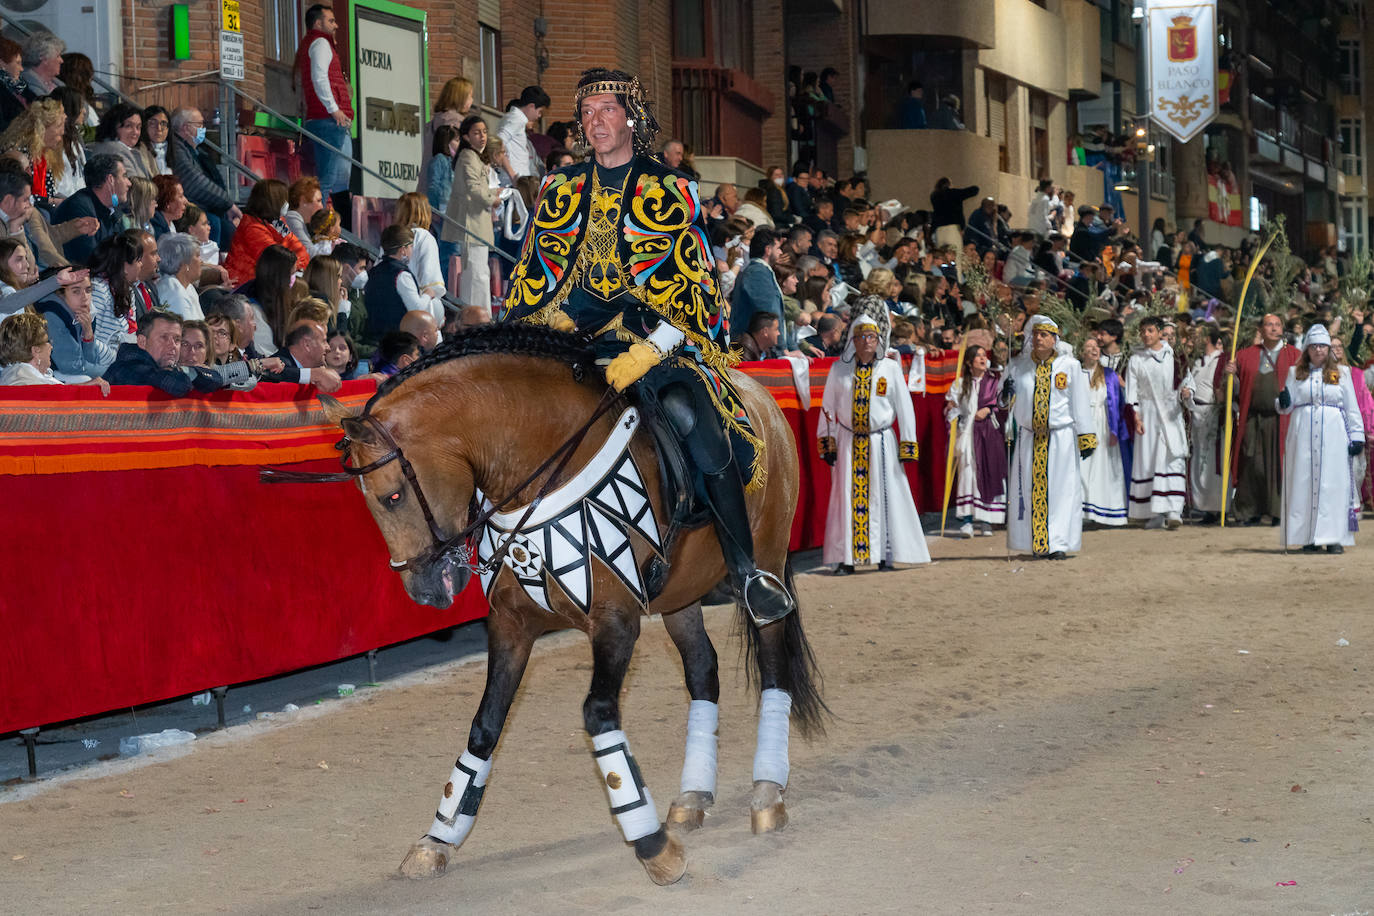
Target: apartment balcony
938	23
719	111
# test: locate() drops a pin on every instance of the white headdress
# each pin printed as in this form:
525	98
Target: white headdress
1317	334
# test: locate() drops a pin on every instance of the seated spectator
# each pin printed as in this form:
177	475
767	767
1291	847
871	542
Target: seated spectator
25	352
558	158
42	64
847	261
413	213
12	97
355	262
423	327
324	277
305	199
395	351
311	309
775	196
303	357
1018	271
34	138
326	229
119	133
195	343
106	184
260	228
114	273
145	293
180	269
223	338
829	337
195	222
761	340
272	296
754	208
170	205
474	316
20	286
73	148
391	289
152	360
142	206
77	357
342	356
200	177
157	128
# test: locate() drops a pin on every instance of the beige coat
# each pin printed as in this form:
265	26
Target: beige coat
469	206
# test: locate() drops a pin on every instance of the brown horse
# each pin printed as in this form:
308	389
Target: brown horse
482	415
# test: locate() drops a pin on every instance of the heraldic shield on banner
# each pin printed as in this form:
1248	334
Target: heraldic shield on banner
1183	66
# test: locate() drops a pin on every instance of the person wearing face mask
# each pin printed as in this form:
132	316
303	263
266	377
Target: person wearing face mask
262	225
200	177
779	207
106	185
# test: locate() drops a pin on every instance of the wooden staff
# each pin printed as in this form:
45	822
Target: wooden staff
953	428
1231	377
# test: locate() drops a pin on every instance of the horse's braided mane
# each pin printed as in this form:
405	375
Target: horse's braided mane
513	338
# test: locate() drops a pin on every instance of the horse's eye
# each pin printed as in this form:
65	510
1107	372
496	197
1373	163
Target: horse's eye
394	500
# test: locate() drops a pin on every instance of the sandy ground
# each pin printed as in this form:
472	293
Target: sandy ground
1162	725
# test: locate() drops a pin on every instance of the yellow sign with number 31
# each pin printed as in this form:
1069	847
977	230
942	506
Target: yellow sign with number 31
230	15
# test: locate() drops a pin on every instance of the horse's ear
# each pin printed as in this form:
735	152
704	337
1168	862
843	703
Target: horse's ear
358	431
335	411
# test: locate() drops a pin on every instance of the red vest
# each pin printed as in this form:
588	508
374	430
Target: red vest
314	108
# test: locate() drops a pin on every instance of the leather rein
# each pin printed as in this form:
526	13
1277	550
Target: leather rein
440	544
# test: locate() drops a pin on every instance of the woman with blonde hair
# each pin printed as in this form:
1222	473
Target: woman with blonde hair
453	105
413	213
37	135
324	277
142	206
1325	432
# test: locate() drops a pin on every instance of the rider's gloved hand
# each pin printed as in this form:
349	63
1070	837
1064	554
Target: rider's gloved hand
630	366
559	321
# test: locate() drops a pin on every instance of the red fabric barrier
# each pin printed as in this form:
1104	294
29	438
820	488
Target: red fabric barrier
131	586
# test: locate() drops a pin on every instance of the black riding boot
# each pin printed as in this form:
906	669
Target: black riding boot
764	596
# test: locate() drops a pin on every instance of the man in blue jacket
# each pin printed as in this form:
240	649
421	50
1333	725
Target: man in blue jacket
106	185
757	290
153	361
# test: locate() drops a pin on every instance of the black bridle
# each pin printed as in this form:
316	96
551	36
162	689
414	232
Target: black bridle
440	545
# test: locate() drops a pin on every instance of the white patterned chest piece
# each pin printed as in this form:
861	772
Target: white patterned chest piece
591	516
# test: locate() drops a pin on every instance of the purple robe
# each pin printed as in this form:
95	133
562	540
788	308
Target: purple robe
989	442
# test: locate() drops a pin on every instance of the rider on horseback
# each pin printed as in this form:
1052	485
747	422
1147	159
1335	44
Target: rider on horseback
617	251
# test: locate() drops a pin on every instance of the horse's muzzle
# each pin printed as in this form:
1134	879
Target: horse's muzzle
437	584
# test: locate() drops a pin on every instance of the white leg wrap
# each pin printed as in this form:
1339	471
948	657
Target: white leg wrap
699	766
770	755
631	803
462	796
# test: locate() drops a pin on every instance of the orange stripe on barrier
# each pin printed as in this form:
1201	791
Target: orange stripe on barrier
142	461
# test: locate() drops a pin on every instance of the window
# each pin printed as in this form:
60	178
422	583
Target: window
689	30
1354	236
1351	63
733	24
1039	134
489	50
281	30
996	89
1352	146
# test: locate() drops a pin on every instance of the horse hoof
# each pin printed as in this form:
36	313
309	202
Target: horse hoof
688	811
428	858
669	864
767	814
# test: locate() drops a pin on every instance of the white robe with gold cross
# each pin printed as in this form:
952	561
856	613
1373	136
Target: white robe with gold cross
1044	485
871	516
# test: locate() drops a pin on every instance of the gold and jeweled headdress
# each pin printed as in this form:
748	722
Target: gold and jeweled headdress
637	108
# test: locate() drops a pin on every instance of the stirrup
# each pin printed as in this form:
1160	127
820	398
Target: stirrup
775	602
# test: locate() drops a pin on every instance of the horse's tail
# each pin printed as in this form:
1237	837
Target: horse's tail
799	675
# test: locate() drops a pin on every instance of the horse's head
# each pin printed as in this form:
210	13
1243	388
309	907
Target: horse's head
412	502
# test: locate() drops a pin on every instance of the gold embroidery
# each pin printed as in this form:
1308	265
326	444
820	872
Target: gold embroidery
825	445
908	451
1087	440
1040	459
599	260
859	471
